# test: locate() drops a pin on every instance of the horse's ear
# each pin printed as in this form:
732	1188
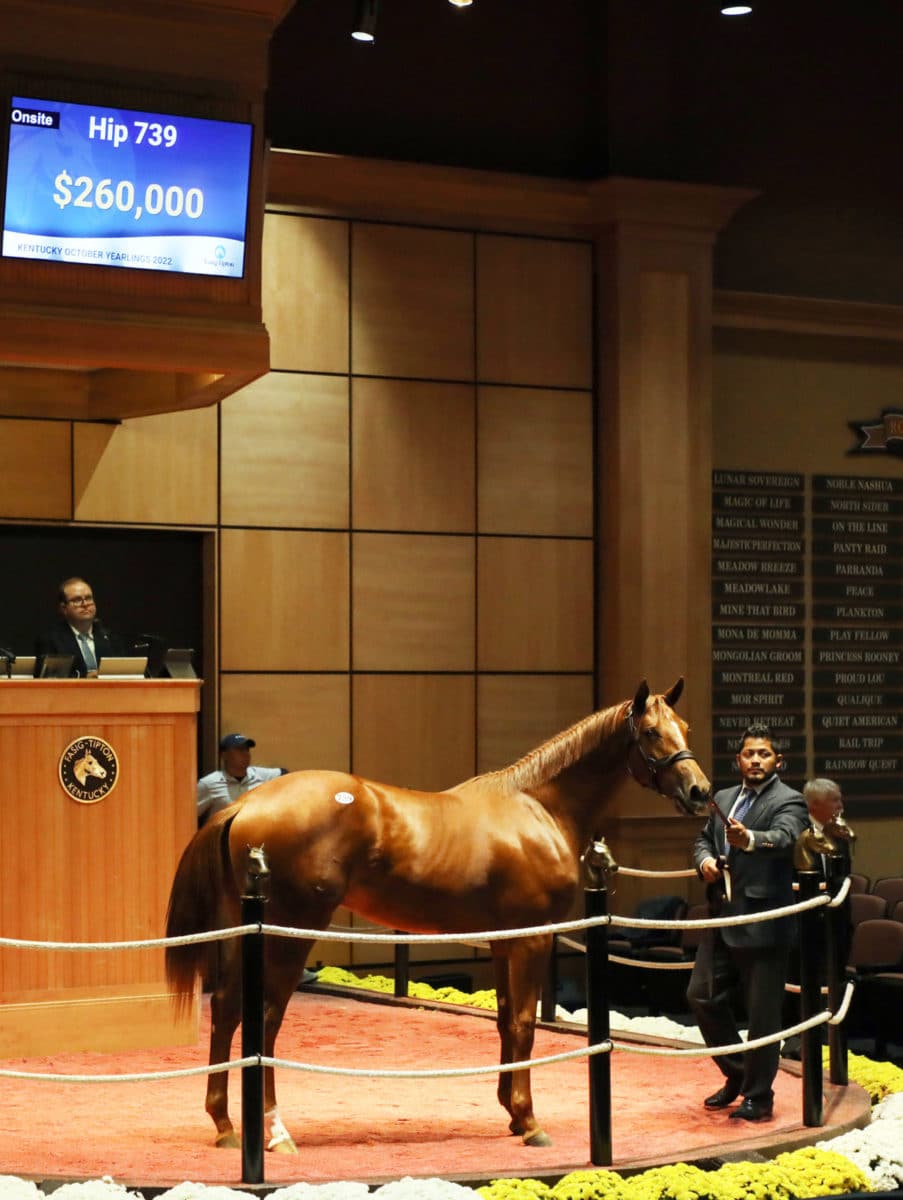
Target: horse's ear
639	701
675	692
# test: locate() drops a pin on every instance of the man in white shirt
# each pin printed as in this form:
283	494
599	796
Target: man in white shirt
221	788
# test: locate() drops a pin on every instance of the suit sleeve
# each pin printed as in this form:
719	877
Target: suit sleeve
787	820
705	846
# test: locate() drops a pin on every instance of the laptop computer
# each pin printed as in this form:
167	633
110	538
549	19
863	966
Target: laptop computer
178	664
22	668
122	668
57	666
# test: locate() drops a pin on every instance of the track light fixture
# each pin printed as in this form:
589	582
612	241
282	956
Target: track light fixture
364	28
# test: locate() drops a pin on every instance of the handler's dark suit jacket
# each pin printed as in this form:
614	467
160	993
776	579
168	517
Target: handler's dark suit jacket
61	640
761	878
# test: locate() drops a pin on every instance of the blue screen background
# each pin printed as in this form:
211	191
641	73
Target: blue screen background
211	155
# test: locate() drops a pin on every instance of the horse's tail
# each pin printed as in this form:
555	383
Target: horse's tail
197	902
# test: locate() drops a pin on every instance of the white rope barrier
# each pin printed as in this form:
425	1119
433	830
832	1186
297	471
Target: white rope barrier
443	1072
824	1017
638	873
346	935
395	938
735	1048
842	892
151	1076
681	965
213	935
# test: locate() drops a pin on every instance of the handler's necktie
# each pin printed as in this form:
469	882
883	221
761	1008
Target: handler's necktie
87	652
747	796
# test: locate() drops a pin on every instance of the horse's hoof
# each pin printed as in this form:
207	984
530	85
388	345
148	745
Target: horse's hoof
228	1141
279	1140
284	1146
538	1138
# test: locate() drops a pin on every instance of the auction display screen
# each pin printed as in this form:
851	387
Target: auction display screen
117	188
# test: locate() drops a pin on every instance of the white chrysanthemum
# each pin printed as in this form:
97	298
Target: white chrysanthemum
202	1191
14	1188
890	1108
661	1027
343	1190
878	1149
423	1189
95	1189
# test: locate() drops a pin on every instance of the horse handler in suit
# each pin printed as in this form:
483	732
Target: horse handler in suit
78	631
745	852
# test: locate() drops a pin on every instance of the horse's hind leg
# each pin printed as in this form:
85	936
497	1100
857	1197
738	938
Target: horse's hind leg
527	961
225	1013
503	1024
285	961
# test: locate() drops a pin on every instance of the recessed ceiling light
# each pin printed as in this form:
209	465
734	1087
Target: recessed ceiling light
736	10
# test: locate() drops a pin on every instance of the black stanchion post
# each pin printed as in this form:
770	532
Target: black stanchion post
598	864
836	940
402	967
811	942
252	1019
550	987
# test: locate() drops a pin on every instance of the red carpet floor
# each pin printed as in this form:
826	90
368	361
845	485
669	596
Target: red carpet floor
155	1134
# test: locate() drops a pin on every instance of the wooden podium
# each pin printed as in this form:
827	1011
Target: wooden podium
88	853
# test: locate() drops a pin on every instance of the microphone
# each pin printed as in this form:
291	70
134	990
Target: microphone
7	655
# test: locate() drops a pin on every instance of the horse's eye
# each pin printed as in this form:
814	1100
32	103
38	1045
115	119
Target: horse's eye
653	734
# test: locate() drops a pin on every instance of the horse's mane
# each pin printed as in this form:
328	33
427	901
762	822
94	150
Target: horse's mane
543	763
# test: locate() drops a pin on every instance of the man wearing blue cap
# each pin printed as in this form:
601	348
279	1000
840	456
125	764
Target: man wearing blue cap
221	788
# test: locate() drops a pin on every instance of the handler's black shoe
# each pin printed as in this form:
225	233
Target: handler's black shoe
724	1096
753	1110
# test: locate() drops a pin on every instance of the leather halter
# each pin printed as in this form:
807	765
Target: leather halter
652	765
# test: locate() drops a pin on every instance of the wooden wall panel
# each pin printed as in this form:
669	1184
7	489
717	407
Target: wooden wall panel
36	480
413	602
285	452
298	721
159	470
516	713
535	461
778	374
415	731
413	456
535	598
534	312
305	292
654	464
411	302
284	601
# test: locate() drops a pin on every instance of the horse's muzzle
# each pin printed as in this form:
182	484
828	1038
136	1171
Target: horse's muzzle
694	802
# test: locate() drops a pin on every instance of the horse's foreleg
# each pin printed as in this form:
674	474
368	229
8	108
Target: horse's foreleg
285	962
527	962
225	1013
